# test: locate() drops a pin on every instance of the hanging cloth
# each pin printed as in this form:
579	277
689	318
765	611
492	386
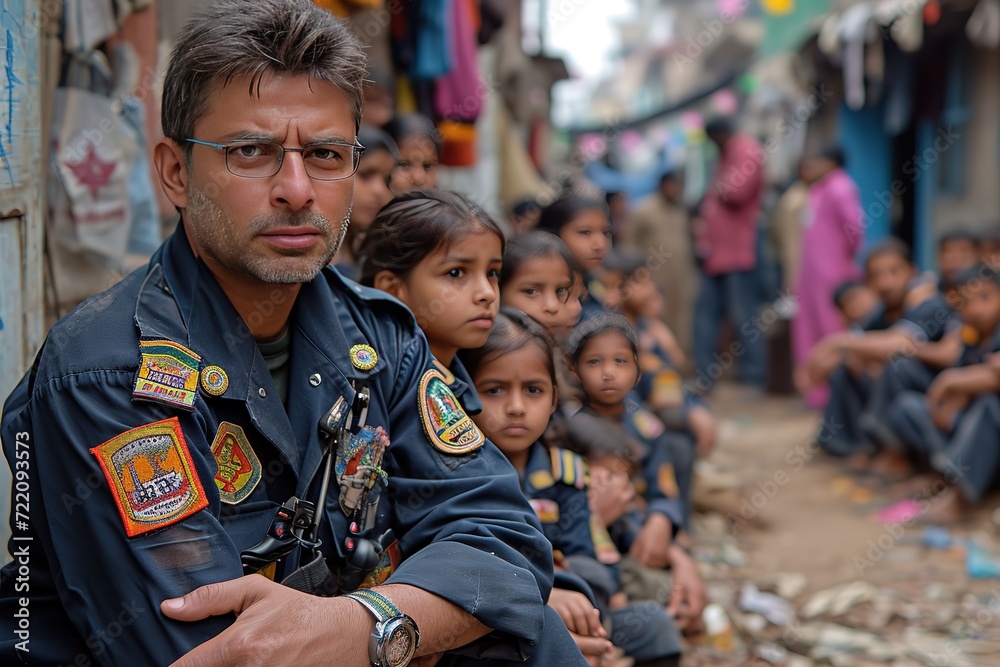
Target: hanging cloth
433	58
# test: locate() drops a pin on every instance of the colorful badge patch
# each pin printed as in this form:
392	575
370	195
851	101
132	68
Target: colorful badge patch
449	377
167	374
239	468
667	481
568	468
970	336
152	476
547	510
391	558
649	425
364	357
214	381
447	426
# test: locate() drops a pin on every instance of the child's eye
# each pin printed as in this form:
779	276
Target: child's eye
456	273
493	274
621	361
493	391
593	362
533	390
562	293
530	291
584	232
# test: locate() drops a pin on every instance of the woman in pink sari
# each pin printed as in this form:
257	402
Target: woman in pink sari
833	233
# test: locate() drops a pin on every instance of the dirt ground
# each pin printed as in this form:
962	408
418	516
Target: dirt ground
786	508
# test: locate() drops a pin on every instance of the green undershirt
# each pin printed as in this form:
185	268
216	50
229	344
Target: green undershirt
276	355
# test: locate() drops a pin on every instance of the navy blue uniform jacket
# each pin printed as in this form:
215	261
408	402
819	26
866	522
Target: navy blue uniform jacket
464	530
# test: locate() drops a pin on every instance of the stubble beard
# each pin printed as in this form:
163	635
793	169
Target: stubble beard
215	231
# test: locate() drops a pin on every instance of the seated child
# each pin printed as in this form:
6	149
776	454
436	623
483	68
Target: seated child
660	357
954	426
604	354
856	301
514	374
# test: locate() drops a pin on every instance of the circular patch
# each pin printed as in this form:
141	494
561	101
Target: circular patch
364	357
214	381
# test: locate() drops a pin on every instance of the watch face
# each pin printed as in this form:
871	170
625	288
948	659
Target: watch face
399	645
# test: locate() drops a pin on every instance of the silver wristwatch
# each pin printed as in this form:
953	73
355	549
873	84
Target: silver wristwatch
395	639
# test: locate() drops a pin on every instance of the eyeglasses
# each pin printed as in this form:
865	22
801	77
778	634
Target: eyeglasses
328	161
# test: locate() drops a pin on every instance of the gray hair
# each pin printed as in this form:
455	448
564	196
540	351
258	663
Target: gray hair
252	38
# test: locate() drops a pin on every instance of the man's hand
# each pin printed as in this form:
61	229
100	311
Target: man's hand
652	544
689	597
274	625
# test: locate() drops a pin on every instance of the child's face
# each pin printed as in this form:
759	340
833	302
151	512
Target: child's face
518	398
541	288
607	369
980	307
953	256
569	316
371	189
417	166
588	237
640	296
858	303
989	252
454	295
889	275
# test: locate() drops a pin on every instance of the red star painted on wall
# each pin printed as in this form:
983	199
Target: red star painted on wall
91	171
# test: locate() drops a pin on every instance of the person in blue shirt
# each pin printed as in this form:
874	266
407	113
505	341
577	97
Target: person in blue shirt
177	423
952	427
912	314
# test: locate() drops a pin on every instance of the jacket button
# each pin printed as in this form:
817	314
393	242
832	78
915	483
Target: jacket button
262	393
315	379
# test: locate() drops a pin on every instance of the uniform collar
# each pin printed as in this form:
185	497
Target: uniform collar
181	301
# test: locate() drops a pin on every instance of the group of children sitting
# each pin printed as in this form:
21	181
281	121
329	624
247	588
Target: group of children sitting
914	380
581	393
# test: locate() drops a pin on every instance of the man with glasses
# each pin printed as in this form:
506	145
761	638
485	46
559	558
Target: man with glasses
234	409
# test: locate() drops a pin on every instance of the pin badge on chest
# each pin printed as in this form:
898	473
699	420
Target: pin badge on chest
214	381
364	357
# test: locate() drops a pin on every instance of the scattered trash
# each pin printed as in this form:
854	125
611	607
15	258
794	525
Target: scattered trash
935	537
718	627
979	563
902	512
771	654
837	601
776	610
788	585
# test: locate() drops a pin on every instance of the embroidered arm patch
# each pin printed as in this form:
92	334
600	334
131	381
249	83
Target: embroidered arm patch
152	476
449	429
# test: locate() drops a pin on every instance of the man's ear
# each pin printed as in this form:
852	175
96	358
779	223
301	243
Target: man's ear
171	166
389	282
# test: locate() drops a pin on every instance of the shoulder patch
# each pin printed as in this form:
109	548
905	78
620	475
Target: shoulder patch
647	424
152	476
568	468
168	373
448	428
239	468
546	510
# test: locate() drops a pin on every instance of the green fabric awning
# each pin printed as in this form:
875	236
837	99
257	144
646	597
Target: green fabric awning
787	32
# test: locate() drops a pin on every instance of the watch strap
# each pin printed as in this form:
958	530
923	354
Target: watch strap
376	603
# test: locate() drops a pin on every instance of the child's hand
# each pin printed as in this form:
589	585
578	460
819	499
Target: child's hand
576	611
611	494
594	649
689	597
944	413
702	424
652	544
